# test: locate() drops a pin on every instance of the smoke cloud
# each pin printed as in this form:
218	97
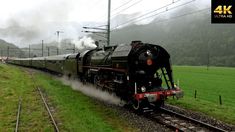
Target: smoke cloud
91	91
85	43
41	23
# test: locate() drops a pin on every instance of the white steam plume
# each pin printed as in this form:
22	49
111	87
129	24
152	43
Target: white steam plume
91	91
85	43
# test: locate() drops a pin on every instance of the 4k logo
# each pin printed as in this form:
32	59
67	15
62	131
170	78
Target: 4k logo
222	11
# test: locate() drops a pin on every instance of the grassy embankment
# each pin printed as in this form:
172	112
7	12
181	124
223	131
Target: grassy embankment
73	110
14	84
209	84
79	112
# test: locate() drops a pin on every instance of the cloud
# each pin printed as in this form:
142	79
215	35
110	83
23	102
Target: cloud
39	23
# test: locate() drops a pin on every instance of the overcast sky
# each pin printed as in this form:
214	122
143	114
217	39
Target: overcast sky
33	16
71	10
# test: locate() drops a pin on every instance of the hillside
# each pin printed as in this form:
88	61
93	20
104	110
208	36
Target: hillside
191	40
13	50
65	47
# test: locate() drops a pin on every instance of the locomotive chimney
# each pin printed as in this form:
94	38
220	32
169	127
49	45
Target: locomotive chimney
136	41
97	44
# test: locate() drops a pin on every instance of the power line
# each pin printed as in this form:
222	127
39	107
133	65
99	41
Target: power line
118	8
96	4
173	2
142	16
122	5
183	15
122	9
99	30
126	8
102	26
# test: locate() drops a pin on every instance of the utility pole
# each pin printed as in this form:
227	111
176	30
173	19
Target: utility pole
58	37
1	53
74	48
99	31
108	28
20	54
57	51
29	50
8	51
42	48
208	60
48	52
208	55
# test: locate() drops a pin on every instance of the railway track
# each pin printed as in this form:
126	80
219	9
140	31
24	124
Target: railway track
48	111
55	126
182	123
46	106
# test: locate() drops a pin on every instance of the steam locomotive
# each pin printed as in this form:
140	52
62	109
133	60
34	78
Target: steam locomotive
138	73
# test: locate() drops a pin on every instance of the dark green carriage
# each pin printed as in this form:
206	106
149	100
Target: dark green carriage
71	65
55	63
26	62
38	62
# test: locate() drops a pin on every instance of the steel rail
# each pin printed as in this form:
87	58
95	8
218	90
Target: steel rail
170	126
209	126
48	110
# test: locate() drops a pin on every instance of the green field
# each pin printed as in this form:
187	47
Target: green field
209	84
72	110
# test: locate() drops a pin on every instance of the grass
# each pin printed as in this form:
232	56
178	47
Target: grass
210	84
73	111
76	112
79	112
15	83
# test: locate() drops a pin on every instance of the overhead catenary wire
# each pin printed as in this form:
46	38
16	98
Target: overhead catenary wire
182	15
127	8
126	3
140	18
121	5
96	4
115	9
150	12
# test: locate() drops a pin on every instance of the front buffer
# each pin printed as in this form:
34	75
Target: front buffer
154	99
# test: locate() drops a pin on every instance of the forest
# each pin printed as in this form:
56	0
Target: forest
191	40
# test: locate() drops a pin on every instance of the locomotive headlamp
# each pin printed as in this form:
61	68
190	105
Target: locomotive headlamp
148	52
143	89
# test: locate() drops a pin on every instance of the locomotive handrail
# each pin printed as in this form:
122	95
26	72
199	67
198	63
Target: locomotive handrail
106	68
